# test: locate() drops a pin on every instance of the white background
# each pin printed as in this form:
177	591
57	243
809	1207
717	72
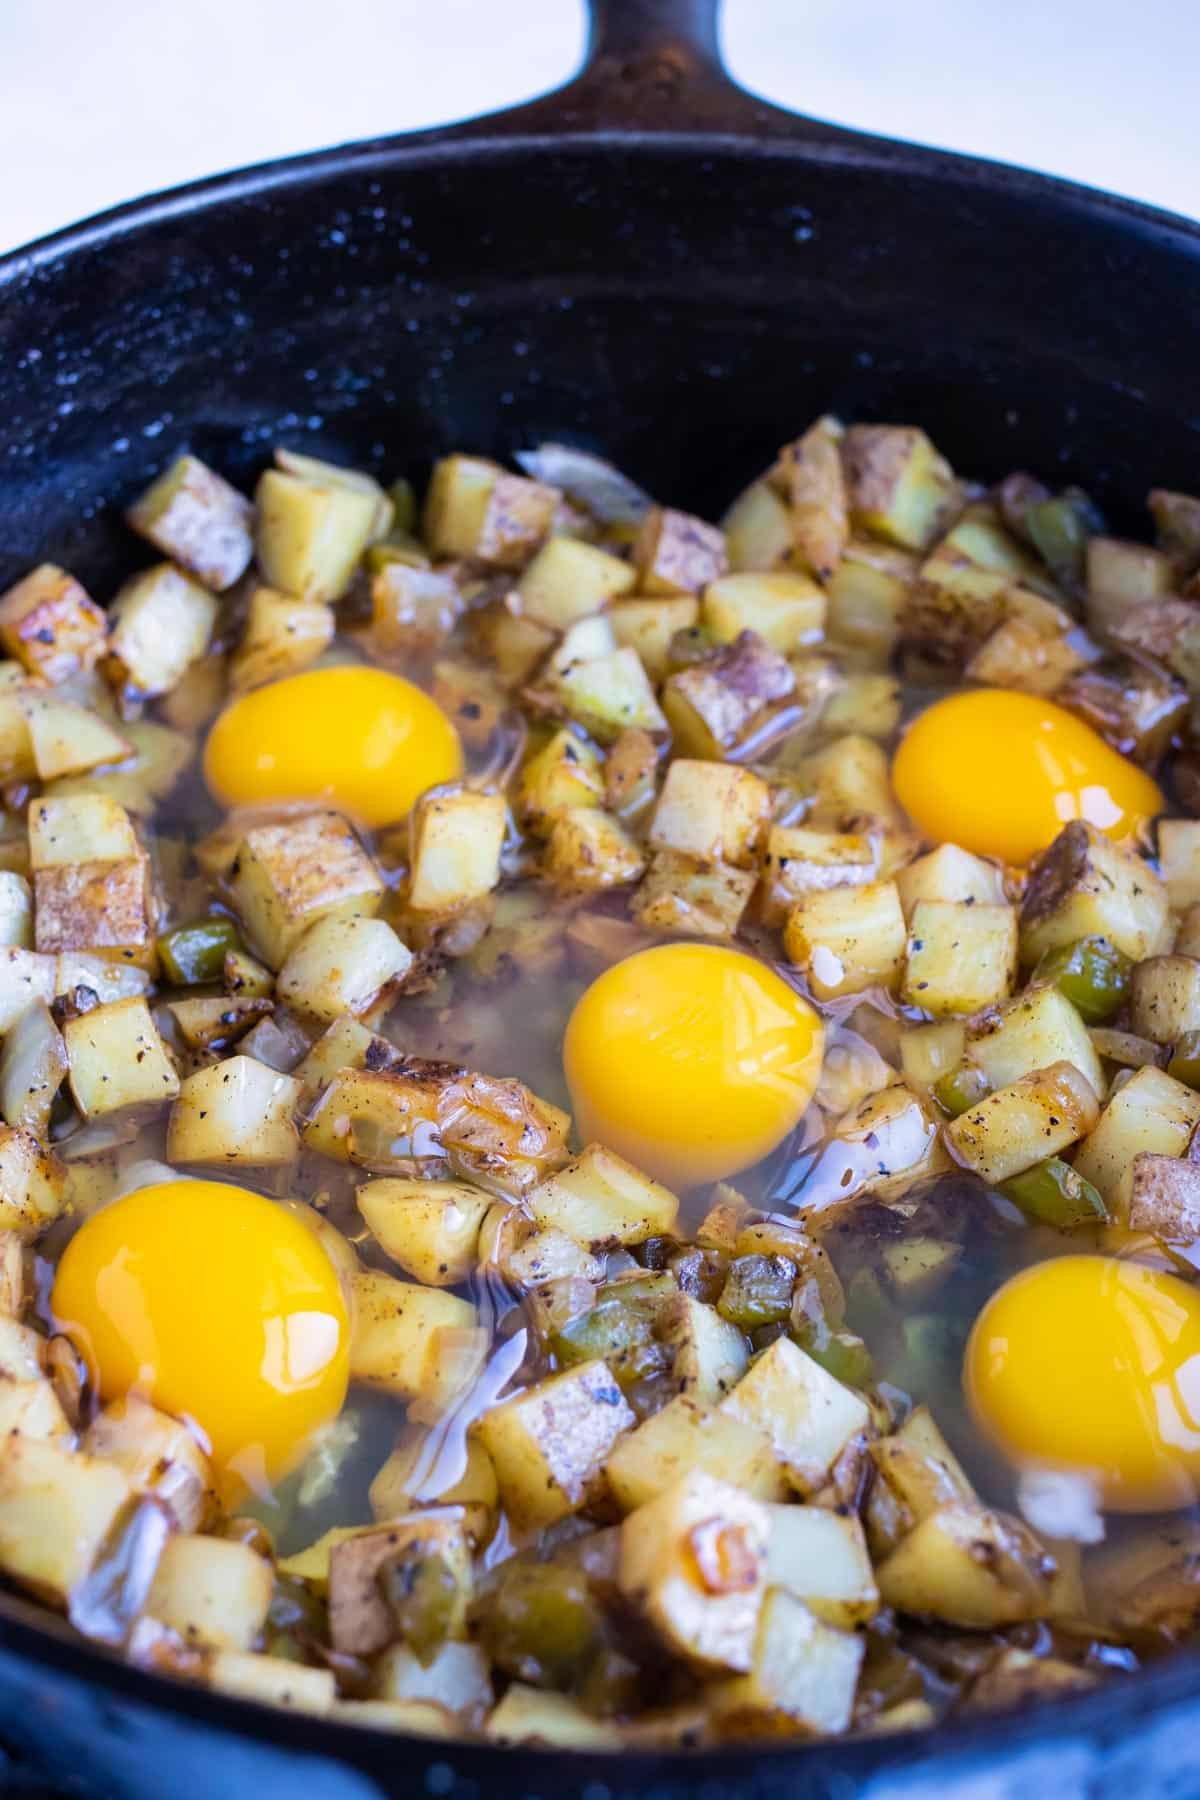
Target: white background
104	99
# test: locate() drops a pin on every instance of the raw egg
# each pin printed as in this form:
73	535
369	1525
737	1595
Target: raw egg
1001	773
691	1061
1090	1366
366	741
217	1305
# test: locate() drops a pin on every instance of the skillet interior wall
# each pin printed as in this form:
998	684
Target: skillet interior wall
676	306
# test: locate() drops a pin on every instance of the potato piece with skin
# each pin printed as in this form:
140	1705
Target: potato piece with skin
610	693
899	488
812	472
272	1681
567	580
808	1415
648	627
712	705
430	1228
964	1565
1122	576
197	519
286	876
1085	885
683	1436
1149	1113
713	811
1032	1030
413	611
216	1023
342	966
238	1113
393	1344
158	1455
787	611
57	1509
798	861
802	1679
847	939
457	835
1035	1117
1164	1198
821	1558
677	553
475	508
1164	998
212	1591
310	534
564	774
360	1619
1019	1679
960	957
683	896
96	906
160	622
710	1353
118	1060
588	851
346	1044
600	1199
283	635
51	625
949	873
692	1562
550	1443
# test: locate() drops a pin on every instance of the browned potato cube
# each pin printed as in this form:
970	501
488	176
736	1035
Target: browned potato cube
648	627
1086	885
787	611
685	1436
900	489
287	876
713	811
101	906
1164	1198
676	553
210	1590
550	1443
813	473
235	1114
802	1678
474	508
711	705
158	1455
57	1508
694	899
808	1415
197	519
798	860
588	851
847	939
758	529
32	1185
412	610
1165	998
118	1060
396	1343
283	635
48	622
457	837
564	774
160	623
567	580
970	1567
1037	1116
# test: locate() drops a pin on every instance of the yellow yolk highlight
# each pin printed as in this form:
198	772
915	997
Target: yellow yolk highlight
691	1061
218	1306
1001	773
1091	1366
364	740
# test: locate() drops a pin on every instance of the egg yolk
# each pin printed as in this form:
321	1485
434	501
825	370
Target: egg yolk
1001	773
1091	1366
691	1061
366	741
218	1306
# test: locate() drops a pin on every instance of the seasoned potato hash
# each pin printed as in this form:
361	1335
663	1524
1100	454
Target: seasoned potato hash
599	1109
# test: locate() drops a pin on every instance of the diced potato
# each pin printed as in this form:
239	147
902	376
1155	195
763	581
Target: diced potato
56	1511
916	1472
272	1681
118	1060
283	635
342	966
567	580
964	1565
960	957
1019	1679
713	811
847	939
684	1436
216	1022
158	1456
808	1415
346	1044
1018	655
12	1275
588	851
564	774
822	1559
32	1409
1164	1198
867	596
1122	576
851	785
107	980
884	1144
692	1562
360	1619
52	627
630	772
456	1678
377	1117
927	1052
431	1228
457	836
475	508
648	627
529	1715
157	757
1145	1576
82	828
1151	1112
600	1199
1037	1116
512	644
394	1343
542	1258
802	1679
677	553
757	528
422	1469
210	1590
710	1353
95	906
786	611
550	1443
812	474
865	703
1165	998
197	519
310	533
66	739
413	610
237	1113
949	873
160	622
16	912
900	489
33	1066
608	694
1029	1032
798	861
287	876
712	705
1179	861
1085	885
680	895
588	638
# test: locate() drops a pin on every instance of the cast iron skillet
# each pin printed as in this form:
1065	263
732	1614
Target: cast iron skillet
654	264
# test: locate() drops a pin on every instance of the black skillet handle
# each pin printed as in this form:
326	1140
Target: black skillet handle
651	66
